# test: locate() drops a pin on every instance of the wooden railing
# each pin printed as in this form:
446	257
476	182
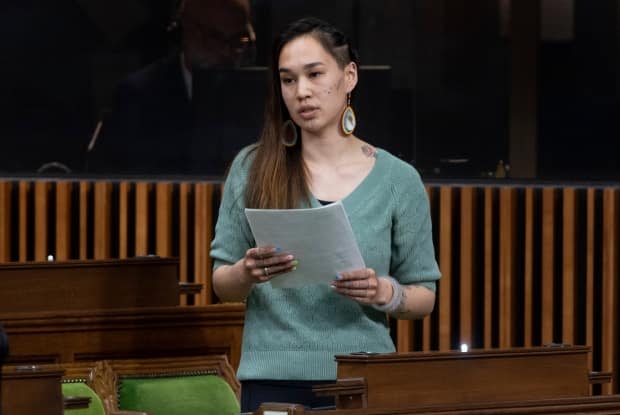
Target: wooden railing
106	219
522	265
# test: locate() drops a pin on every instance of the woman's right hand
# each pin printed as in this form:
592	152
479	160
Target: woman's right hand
265	262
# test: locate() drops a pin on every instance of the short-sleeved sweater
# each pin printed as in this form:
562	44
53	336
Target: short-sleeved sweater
294	333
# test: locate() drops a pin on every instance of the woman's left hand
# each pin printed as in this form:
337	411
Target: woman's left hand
363	286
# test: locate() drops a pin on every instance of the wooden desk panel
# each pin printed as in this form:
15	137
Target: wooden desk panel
30	391
88	285
148	332
593	405
413	379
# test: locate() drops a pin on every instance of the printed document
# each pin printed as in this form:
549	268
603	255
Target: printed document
321	239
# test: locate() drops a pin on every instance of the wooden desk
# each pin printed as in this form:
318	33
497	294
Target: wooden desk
88	285
593	405
401	380
62	312
29	390
74	336
81	311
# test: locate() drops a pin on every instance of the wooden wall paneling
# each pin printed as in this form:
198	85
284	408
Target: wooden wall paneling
124	188
547	264
528	269
24	192
34	391
468	297
41	209
163	214
404	333
83	335
24	236
609	312
102	214
590	255
569	264
507	277
5	220
445	265
489	247
142	218
184	191
203	224
84	209
63	220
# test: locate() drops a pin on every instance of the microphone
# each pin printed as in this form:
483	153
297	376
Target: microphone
88	154
97	131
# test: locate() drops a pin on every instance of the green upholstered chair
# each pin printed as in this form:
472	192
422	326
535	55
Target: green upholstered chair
81	383
76	383
81	389
169	386
189	394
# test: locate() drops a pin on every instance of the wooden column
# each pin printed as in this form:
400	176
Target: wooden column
184	195
445	264
590	273
528	269
24	191
547	264
489	249
101	241
163	214
5	221
569	265
468	294
63	220
507	275
203	228
142	218
123	219
609	313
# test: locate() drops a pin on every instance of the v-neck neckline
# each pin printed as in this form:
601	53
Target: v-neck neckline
360	192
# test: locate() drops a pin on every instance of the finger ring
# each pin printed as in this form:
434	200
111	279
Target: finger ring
266	271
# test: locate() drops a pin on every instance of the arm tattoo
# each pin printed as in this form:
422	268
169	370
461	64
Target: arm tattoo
401	310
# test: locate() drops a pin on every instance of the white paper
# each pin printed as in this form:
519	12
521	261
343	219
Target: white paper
321	239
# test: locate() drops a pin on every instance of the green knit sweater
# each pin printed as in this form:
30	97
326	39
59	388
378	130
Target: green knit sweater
294	333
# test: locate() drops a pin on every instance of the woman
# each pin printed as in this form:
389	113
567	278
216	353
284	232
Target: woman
308	156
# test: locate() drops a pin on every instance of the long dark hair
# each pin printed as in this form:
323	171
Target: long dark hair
278	177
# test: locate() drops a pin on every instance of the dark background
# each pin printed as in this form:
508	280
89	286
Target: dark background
449	94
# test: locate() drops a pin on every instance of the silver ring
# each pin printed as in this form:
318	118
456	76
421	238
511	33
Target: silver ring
266	271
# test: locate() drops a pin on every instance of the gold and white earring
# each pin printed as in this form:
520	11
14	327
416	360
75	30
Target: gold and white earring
288	133
347	119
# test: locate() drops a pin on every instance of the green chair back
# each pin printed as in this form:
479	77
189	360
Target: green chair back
82	389
178	395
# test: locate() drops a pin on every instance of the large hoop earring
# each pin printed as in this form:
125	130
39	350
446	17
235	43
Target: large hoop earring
347	119
288	135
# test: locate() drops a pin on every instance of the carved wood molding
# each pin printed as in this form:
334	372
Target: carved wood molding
104	383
